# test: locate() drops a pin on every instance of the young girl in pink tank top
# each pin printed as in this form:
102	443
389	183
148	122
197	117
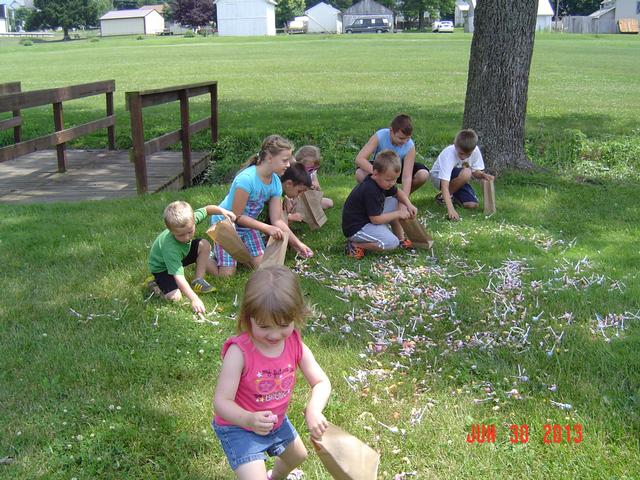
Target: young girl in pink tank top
258	376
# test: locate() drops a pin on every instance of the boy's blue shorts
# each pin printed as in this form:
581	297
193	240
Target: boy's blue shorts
243	446
466	193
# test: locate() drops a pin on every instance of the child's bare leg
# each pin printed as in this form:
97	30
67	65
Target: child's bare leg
226	271
294	455
204	263
368	246
457	183
174	295
255	470
470	205
419	179
256	261
326	203
397	230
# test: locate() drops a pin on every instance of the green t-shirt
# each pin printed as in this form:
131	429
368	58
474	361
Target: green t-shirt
167	253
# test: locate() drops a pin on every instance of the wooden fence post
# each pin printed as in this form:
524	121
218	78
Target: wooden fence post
137	136
213	93
61	149
111	131
184	137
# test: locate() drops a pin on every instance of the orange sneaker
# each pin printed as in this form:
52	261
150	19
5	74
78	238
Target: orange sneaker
352	250
406	244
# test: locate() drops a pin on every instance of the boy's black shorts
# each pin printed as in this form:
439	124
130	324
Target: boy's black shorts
416	168
166	282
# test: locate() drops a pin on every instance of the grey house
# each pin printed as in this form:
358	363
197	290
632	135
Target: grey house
367	8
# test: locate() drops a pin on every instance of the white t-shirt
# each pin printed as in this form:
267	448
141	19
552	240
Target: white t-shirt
448	160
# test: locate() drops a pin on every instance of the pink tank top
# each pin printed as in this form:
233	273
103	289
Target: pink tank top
266	383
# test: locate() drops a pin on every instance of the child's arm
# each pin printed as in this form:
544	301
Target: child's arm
216	210
224	402
403	198
481	175
240	199
320	392
315	183
407	170
275	214
362	159
187	291
446	196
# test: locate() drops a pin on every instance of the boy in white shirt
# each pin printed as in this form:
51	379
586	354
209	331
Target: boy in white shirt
453	169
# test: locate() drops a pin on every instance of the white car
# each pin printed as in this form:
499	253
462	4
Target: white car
444	26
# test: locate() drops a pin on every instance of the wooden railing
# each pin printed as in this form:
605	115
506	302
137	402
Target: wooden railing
15	101
136	101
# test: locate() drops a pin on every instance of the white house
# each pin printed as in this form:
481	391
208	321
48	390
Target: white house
543	20
461	11
7	8
131	22
624	9
323	18
246	17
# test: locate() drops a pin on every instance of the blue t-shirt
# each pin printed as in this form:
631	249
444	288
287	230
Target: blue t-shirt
259	192
384	143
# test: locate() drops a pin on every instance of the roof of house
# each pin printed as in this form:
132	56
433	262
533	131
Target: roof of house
599	13
368	7
544	8
119	14
323	6
158	8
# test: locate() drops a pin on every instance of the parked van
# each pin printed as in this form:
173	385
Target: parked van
369	25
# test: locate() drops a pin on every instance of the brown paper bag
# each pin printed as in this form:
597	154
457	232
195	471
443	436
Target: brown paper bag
275	252
489	197
417	233
345	457
224	233
310	207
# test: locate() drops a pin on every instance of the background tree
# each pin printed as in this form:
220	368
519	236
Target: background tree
498	80
577	7
66	14
127	4
191	13
415	10
287	9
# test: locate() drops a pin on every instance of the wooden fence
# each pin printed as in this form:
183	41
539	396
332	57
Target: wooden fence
136	101
14	101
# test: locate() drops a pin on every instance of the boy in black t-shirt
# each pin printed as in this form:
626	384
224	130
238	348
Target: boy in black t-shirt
373	205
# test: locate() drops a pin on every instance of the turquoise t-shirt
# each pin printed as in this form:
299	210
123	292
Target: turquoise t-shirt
167	253
259	192
384	143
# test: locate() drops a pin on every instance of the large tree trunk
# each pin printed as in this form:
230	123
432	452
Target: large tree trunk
496	101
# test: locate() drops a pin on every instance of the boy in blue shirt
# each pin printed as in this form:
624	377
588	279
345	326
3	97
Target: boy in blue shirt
397	138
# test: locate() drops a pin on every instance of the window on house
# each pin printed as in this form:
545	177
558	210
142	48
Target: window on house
3	13
638	8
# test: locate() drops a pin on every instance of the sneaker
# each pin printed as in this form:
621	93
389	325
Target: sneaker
354	251
406	244
200	285
152	286
296	474
440	199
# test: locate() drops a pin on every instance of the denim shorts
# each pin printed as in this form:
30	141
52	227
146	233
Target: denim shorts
242	446
464	194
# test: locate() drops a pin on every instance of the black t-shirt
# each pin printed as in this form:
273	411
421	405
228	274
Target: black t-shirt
364	201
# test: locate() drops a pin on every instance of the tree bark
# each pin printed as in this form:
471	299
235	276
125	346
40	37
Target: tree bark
496	101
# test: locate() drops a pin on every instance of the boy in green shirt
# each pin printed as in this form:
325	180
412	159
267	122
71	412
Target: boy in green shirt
176	248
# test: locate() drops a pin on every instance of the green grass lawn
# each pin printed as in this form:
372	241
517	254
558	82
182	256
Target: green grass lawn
101	381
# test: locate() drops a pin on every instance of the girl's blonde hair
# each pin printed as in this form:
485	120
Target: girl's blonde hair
273	144
309	154
272	295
